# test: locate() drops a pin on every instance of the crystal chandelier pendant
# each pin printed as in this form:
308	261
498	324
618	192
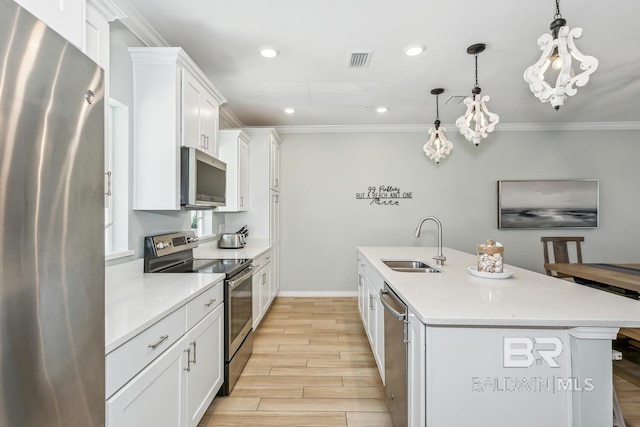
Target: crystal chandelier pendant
438	146
477	121
559	53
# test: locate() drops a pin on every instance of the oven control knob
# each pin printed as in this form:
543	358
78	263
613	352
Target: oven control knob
192	239
162	245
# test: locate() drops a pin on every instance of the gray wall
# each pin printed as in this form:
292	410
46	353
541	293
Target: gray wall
322	222
141	223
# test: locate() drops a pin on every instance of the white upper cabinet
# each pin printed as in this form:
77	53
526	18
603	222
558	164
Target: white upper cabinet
275	164
174	104
200	112
233	149
66	17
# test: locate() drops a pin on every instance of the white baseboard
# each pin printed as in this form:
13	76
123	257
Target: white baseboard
316	294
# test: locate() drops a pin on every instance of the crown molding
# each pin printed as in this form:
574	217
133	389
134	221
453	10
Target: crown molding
139	26
108	9
229	117
502	127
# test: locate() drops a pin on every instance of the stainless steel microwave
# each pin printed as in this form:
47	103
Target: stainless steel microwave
203	180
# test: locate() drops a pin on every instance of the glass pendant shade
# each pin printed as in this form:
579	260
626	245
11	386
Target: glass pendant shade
477	121
559	56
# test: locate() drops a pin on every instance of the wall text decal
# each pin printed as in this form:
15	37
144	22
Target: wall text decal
386	195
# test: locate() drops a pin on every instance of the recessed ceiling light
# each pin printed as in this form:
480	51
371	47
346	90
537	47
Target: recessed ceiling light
381	109
269	51
414	49
289	110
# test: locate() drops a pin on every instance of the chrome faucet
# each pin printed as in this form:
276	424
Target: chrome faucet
440	258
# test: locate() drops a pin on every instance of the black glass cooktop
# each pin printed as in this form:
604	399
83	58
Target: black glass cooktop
229	267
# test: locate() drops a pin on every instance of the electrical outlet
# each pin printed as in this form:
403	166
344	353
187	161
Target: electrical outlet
220	228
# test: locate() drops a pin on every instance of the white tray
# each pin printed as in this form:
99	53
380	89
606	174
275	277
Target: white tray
505	273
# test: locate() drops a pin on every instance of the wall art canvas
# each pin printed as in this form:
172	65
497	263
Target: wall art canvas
548	204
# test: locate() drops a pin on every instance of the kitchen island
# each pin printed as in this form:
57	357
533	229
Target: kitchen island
528	350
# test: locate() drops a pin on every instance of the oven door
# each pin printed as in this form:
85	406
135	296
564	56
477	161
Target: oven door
239	316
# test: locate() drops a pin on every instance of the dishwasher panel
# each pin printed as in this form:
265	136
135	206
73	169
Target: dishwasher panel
395	355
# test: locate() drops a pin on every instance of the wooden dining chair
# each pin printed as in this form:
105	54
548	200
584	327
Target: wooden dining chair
560	249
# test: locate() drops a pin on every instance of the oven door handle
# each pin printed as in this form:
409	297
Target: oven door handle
236	282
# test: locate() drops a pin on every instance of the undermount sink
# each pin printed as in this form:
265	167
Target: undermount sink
409	266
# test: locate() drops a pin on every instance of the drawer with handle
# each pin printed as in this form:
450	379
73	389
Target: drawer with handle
204	304
261	261
126	361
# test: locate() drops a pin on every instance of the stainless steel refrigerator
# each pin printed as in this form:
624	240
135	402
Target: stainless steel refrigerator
51	228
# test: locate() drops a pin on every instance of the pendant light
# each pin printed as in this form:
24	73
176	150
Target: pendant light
558	52
484	120
438	147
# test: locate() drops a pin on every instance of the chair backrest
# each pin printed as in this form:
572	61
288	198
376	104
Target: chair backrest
561	251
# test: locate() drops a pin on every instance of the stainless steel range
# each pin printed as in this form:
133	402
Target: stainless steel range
173	253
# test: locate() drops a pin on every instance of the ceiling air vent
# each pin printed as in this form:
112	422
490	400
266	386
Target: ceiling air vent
359	59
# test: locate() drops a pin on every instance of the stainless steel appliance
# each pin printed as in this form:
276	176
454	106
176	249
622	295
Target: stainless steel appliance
232	241
173	253
203	180
395	355
51	228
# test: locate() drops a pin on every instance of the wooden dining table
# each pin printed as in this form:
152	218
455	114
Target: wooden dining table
609	274
597	273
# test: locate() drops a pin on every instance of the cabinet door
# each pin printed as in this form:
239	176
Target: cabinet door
416	367
275	265
154	397
257	297
206	364
274	168
243	176
362	304
274	218
265	295
209	124
371	315
66	17
192	94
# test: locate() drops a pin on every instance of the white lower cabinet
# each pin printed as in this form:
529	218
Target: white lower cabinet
361	292
371	310
264	289
205	373
179	383
266	296
155	397
416	375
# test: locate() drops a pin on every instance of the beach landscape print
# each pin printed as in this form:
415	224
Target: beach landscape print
548	204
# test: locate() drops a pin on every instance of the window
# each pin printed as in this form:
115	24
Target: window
202	223
116	162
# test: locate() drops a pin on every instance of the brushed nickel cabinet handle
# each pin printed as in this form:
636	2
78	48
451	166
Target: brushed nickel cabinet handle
108	192
194	351
208	304
162	339
188	368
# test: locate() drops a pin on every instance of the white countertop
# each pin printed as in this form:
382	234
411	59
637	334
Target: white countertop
135	300
210	250
455	297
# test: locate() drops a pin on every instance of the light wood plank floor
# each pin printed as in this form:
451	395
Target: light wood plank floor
311	366
629	399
